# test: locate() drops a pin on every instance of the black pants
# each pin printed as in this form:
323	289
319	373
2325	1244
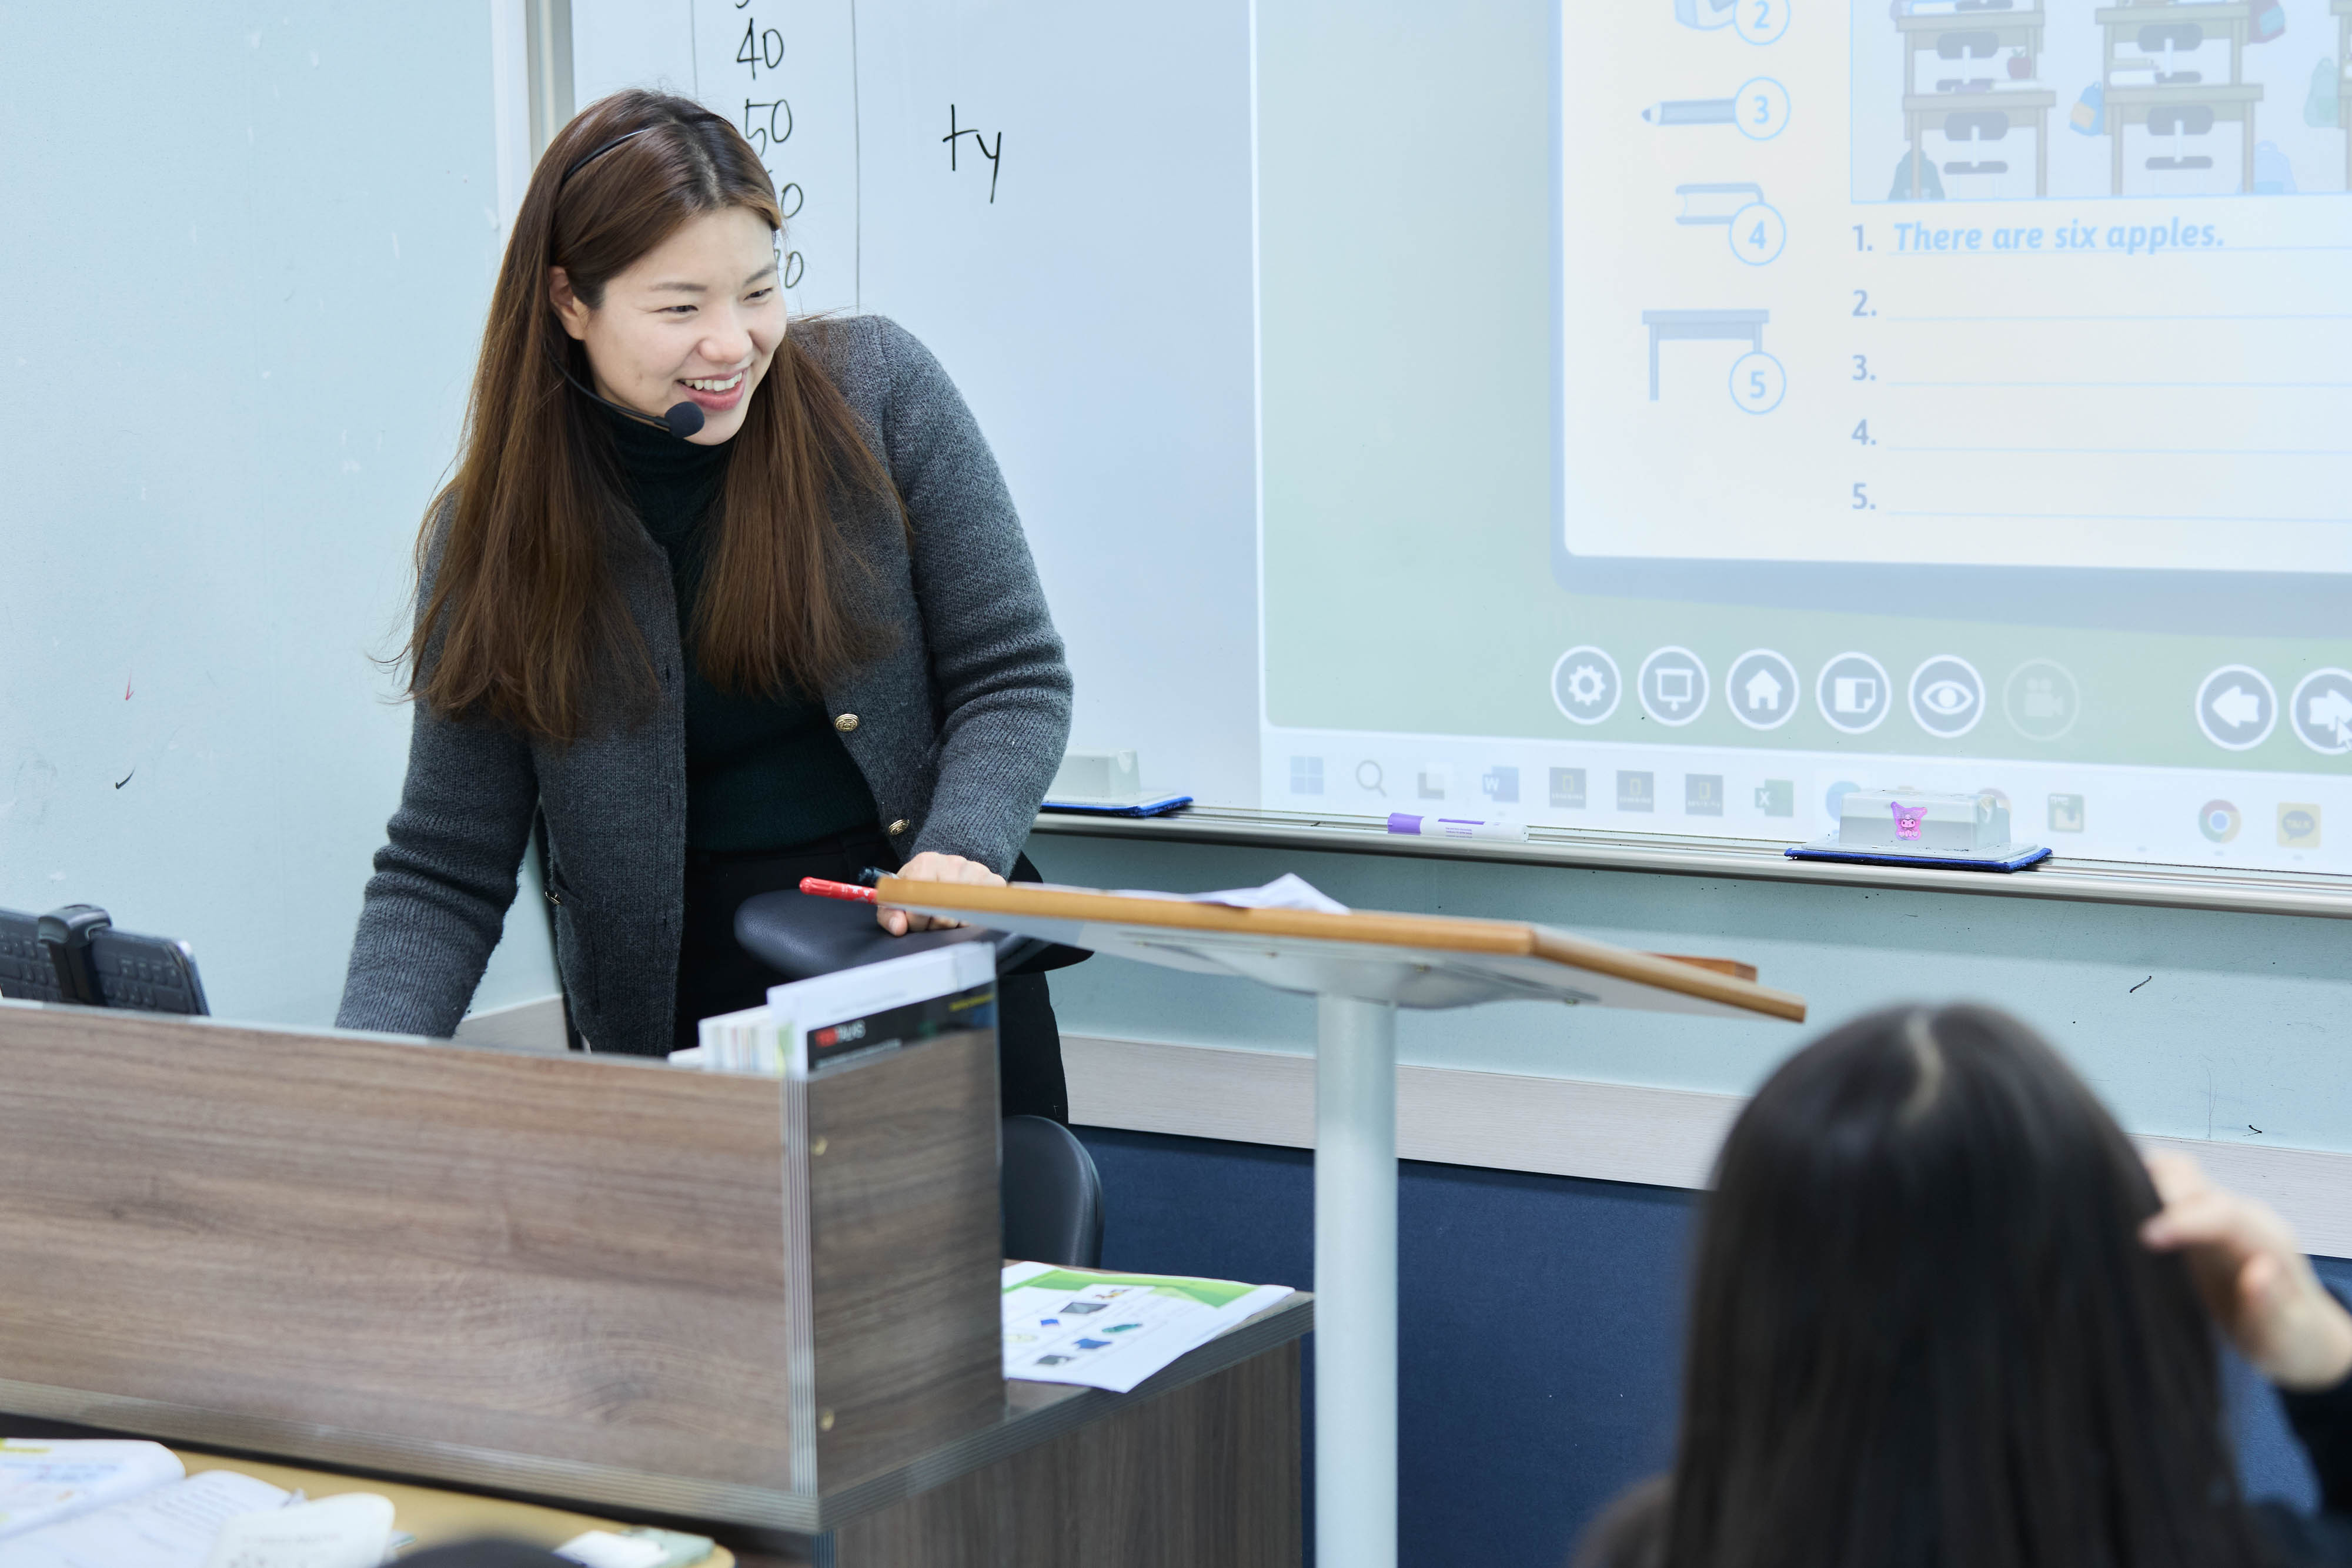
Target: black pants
715	975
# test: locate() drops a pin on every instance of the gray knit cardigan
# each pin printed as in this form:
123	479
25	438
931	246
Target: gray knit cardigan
958	729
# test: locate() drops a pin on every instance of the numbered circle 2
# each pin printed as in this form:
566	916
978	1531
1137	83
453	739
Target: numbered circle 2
1761	109
1757	234
1760	21
1757	382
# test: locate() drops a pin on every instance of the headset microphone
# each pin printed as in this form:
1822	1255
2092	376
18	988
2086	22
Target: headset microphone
681	419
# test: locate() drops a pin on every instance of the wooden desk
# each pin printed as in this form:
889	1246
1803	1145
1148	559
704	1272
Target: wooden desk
768	1313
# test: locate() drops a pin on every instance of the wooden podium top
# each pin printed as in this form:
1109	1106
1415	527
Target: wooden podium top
1412	960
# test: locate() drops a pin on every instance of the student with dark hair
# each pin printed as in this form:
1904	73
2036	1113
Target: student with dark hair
1943	1313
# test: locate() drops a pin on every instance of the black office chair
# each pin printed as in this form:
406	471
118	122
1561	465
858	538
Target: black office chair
1053	1195
1052	1201
802	936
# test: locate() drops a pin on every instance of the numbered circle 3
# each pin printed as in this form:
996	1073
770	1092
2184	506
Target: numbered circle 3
1947	697
1757	234
1761	109
1757	382
1760	21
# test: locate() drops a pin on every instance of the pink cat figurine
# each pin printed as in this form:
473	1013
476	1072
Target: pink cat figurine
1908	819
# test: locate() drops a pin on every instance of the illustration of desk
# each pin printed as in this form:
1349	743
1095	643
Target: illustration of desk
2029	108
2149	105
1961	37
2176	99
2122	21
1734	324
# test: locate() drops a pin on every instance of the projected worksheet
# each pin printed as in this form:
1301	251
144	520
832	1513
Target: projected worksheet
1983	282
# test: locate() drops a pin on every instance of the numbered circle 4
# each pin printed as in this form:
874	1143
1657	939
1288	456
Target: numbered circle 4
1761	109
1757	382
1757	234
1760	21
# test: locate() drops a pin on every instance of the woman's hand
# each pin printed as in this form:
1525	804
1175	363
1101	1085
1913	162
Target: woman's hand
933	866
2256	1281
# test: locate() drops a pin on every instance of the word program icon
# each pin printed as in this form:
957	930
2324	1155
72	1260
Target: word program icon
2218	820
2298	826
1500	785
2065	813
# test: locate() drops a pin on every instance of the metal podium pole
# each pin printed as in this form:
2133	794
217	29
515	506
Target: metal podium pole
1355	1284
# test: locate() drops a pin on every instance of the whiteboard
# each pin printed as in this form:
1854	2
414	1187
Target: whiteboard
1055	198
251	251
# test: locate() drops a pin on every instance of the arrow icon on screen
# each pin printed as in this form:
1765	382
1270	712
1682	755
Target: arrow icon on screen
2238	708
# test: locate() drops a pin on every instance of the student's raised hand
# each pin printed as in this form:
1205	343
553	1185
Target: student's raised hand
933	866
2252	1270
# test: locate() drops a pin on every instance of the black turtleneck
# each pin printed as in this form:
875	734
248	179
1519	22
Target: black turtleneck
761	772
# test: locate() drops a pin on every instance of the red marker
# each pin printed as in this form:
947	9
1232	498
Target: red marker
850	891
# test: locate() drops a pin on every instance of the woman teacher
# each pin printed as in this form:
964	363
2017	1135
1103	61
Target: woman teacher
804	639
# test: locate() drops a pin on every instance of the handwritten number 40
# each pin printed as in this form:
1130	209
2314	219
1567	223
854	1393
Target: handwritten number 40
759	47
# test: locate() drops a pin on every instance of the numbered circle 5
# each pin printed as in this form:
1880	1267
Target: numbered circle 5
1757	382
1761	109
1757	234
1760	21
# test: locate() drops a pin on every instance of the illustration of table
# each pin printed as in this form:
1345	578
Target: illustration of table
1665	324
1967	31
1360	967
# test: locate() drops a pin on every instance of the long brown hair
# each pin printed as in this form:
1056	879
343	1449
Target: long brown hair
525	616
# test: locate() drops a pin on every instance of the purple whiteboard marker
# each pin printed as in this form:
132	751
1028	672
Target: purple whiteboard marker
1406	822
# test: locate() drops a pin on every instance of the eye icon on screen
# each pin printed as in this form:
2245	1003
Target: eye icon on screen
1946	696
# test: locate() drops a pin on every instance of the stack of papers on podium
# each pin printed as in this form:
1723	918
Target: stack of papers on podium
1113	1331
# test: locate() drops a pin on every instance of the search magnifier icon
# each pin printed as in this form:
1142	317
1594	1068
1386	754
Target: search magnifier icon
1369	777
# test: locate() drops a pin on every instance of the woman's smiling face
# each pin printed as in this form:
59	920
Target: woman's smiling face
697	319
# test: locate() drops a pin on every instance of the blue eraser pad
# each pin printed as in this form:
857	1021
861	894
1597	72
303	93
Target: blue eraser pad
1154	806
2000	857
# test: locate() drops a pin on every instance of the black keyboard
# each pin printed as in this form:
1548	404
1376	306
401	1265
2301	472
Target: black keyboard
26	973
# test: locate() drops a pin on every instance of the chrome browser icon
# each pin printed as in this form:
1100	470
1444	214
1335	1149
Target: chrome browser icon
2219	822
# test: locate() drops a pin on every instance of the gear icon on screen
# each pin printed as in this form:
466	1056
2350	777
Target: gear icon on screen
1586	685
